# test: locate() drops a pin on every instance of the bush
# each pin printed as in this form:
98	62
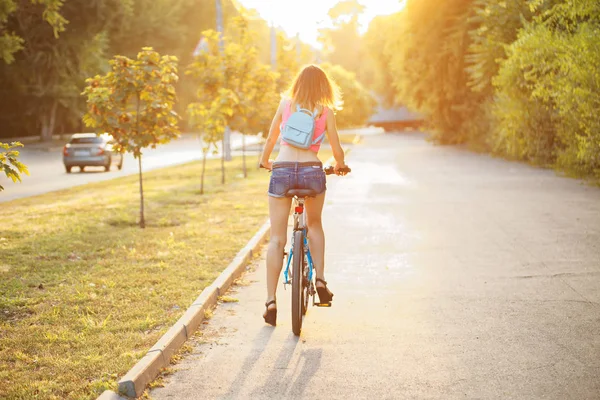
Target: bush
358	104
548	90
524	123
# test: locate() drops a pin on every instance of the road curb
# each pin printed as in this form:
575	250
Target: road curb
237	266
158	357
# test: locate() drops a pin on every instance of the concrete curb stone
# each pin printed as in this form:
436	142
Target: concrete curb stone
194	315
238	265
170	342
145	370
135	381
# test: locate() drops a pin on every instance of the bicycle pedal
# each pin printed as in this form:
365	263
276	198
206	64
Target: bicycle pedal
323	304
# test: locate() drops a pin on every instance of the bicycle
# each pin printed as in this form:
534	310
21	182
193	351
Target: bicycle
300	259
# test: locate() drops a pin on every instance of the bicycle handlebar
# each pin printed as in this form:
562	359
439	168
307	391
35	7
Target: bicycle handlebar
331	170
328	170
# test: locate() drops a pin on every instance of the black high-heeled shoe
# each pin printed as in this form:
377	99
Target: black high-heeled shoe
325	295
270	315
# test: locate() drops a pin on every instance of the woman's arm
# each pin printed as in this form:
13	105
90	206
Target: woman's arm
334	141
272	137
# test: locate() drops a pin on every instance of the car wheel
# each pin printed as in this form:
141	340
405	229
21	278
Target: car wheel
107	166
68	168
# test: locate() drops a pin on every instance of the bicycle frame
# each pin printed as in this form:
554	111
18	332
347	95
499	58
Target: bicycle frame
299	225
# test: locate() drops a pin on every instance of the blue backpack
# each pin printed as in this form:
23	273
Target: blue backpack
299	129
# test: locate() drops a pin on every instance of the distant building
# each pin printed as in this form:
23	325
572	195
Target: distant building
395	118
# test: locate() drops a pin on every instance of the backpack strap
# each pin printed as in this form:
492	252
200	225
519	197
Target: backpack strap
311	113
320	138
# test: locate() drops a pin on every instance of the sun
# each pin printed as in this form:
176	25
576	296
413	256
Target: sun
305	18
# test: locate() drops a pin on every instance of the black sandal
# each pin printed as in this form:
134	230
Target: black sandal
325	295
270	315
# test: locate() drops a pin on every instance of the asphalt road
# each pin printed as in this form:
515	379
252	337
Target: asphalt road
455	275
47	172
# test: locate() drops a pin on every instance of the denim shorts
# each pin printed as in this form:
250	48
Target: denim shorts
296	175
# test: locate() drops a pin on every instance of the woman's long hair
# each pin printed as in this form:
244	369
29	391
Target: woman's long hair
312	87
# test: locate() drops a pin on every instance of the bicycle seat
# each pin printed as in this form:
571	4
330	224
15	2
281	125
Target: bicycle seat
301	193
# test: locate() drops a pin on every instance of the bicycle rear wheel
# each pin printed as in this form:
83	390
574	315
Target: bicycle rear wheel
305	286
297	280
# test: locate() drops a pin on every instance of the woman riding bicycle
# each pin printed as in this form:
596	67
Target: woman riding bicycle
301	168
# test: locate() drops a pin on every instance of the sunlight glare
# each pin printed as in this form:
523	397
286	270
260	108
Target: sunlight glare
306	17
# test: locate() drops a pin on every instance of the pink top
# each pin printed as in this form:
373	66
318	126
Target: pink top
320	125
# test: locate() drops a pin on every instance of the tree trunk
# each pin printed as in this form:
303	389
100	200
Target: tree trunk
137	129
260	145
44	131
227	143
142	220
61	131
48	123
53	118
223	162
203	169
244	156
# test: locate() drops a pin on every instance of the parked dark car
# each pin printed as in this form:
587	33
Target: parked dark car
397	118
89	149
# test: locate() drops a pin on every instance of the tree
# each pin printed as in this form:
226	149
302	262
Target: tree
213	108
134	104
169	26
9	162
11	43
375	71
255	87
287	63
211	120
234	88
440	59
42	86
495	25
425	52
358	105
263	100
548	89
516	78
54	45
342	42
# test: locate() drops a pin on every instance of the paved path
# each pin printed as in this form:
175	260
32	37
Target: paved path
455	276
47	171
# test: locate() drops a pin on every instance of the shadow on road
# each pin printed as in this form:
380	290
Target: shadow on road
275	381
311	362
289	378
261	342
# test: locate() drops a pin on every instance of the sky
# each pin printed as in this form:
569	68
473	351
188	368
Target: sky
307	16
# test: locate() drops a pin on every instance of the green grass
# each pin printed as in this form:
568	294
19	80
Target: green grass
84	292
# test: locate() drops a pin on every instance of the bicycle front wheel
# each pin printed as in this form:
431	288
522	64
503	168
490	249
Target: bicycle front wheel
297	279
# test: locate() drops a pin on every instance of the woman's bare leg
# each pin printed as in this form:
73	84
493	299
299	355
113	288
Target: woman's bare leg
279	212
316	236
